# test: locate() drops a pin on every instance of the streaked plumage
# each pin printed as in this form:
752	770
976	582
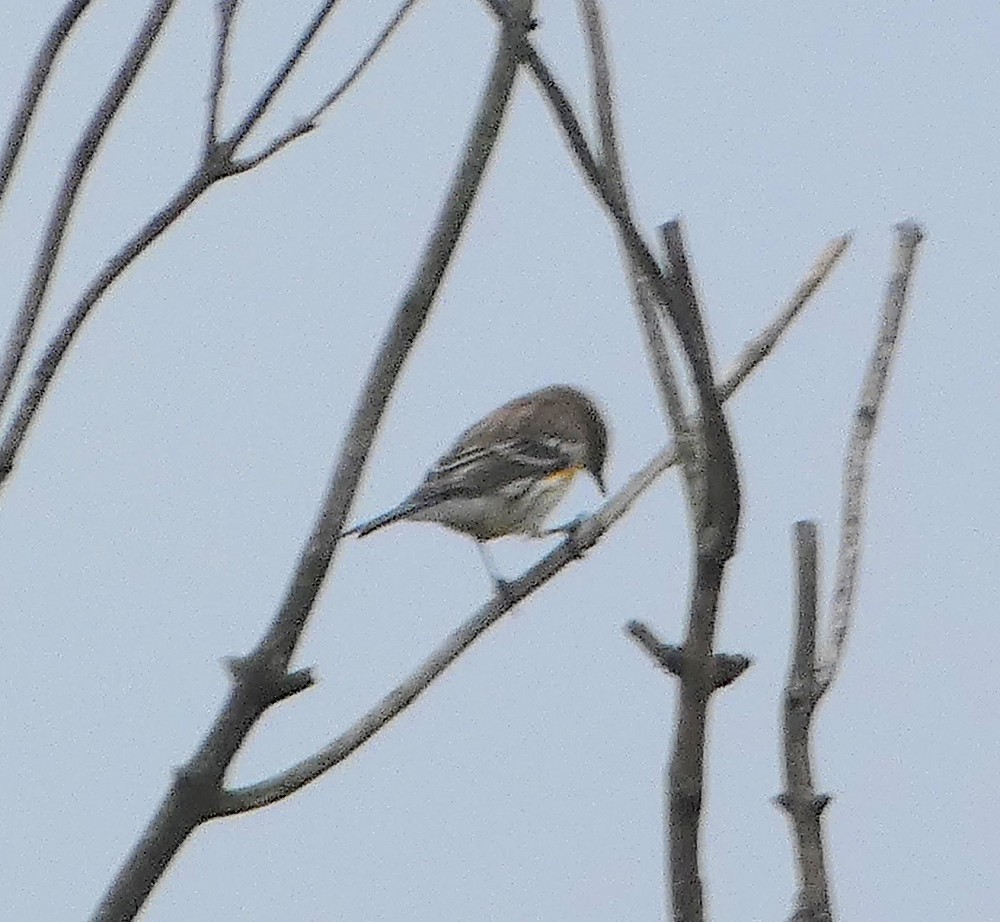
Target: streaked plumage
505	474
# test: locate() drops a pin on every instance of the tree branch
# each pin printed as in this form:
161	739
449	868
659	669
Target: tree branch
194	795
82	158
259	108
307	124
45	369
38	76
812	671
587	534
226	11
800	801
653	331
873	388
216	164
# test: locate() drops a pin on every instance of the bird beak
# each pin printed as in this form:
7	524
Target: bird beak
599	480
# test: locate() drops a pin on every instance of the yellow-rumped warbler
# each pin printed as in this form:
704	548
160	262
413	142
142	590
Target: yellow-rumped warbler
506	473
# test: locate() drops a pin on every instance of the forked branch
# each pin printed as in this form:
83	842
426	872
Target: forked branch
815	662
262	678
217	163
587	534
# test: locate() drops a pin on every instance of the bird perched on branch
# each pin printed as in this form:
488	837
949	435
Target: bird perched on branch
505	473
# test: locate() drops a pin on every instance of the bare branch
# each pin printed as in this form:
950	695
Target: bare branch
308	123
800	801
263	103
726	668
38	76
908	237
215	166
811	672
80	162
45	370
561	106
587	534
226	10
194	795
654	334
763	344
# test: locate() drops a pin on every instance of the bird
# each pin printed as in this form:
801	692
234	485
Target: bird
505	473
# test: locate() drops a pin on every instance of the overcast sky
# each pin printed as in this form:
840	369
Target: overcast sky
159	506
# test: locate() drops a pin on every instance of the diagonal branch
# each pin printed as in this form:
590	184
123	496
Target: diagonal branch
261	678
873	388
586	535
45	369
308	123
38	76
82	158
216	165
259	109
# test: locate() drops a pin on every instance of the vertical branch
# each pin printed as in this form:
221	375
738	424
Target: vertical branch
82	158
711	475
800	801
873	388
653	333
38	76
226	12
262	678
813	666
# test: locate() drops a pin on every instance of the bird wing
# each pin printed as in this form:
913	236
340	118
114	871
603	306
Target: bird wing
509	466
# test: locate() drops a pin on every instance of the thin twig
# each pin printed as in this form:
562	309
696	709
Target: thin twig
873	388
258	110
80	161
819	273
308	123
215	166
587	534
48	364
800	801
226	10
262	677
653	332
38	76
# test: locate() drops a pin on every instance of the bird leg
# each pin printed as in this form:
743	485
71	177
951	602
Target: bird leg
501	585
569	529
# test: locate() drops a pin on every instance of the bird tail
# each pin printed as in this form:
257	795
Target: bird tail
402	511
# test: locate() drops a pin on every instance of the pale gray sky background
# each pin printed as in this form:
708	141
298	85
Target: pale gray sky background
160	504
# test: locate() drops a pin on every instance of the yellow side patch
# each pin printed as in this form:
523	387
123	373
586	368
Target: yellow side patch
567	473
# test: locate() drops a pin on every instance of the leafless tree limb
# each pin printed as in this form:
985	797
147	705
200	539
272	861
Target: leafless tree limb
586	535
262	677
226	11
908	237
80	161
813	668
711	477
650	323
38	77
726	667
764	343
56	350
216	164
259	109
307	124
802	693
